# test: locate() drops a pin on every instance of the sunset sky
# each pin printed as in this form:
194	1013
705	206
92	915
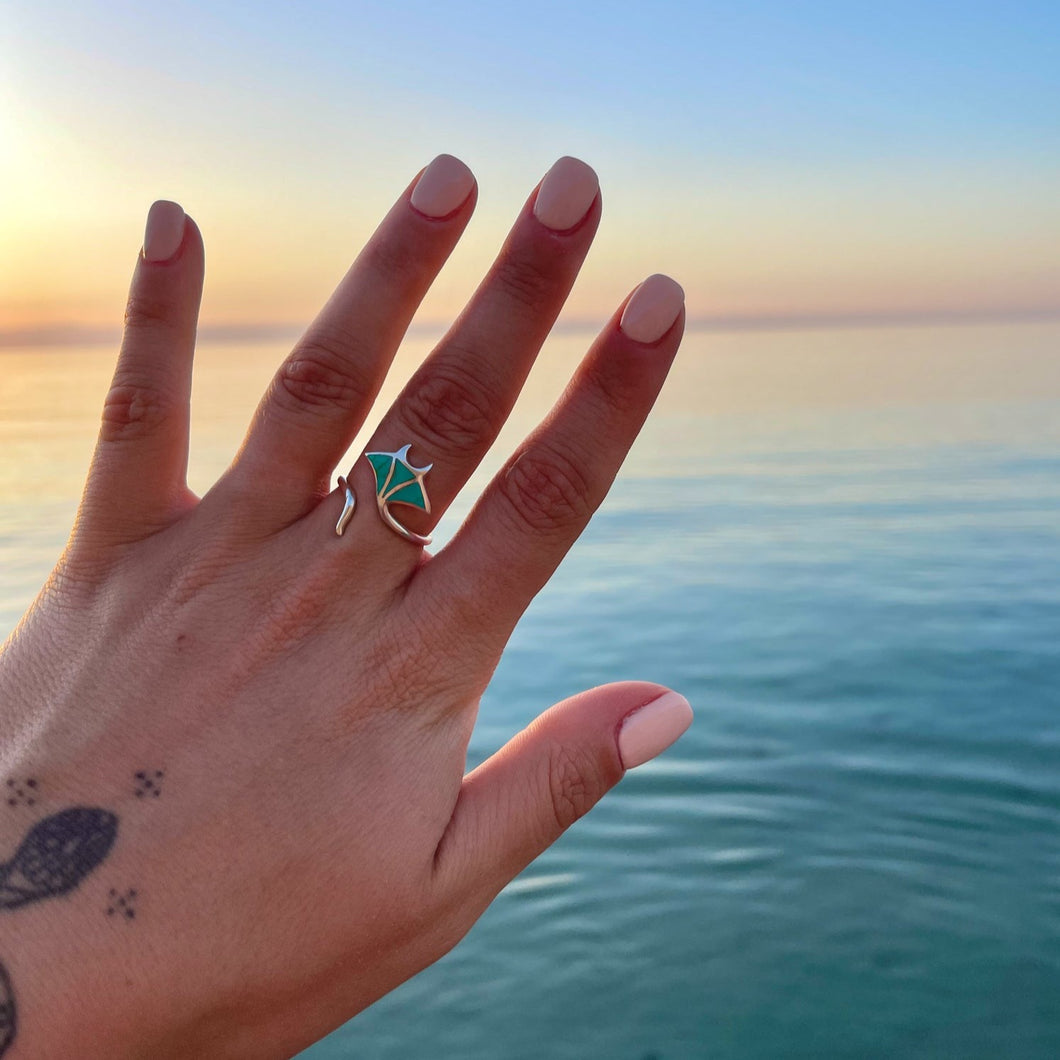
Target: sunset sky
781	160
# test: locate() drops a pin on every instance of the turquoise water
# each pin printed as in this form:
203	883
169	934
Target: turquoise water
845	549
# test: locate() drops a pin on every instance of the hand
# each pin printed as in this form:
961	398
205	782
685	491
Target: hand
246	734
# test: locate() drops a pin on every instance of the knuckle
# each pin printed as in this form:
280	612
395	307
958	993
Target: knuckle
546	491
148	312
132	410
524	281
193	577
394	260
289	620
284	619
320	374
618	396
77	578
392	672
450	409
575	785
410	668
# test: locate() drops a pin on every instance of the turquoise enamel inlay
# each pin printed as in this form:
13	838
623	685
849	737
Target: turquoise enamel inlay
397	481
402	473
381	466
411	494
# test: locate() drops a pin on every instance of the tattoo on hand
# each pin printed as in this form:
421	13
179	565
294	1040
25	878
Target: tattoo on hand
122	904
53	858
149	783
56	855
7	1011
20	792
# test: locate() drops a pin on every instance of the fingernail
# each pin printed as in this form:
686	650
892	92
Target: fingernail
650	729
164	232
652	310
443	187
565	194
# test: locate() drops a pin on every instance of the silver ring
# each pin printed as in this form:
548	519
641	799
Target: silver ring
399	482
347	507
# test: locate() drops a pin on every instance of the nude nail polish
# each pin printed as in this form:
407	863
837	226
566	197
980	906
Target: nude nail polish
566	194
652	310
443	187
164	232
650	729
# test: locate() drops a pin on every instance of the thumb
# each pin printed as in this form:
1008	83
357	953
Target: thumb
519	801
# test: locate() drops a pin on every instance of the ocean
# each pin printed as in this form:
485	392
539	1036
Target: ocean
844	547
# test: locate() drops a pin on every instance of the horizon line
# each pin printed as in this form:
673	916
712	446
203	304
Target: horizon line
73	333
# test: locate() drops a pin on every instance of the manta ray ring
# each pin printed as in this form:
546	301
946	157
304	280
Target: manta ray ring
397	481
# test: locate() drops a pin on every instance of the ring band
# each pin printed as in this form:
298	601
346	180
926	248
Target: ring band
347	508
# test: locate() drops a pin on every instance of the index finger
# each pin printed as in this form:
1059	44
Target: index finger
324	389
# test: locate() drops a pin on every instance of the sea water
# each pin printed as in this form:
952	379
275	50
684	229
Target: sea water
844	547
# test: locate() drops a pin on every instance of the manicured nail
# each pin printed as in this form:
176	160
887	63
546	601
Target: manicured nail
649	730
652	310
565	194
443	187
164	232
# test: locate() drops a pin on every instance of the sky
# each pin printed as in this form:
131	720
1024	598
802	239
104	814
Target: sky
784	161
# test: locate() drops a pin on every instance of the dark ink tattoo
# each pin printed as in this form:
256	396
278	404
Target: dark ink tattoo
149	783
56	855
21	792
121	905
7	1011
